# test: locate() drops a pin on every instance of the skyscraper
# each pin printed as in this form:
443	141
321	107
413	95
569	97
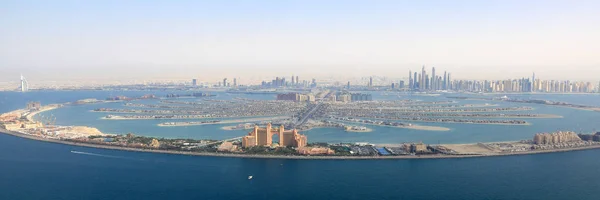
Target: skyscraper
410	80
427	83
234	82
370	81
433	79
348	87
422	82
415	84
24	84
533	83
293	80
449	84
445	84
225	82
194	82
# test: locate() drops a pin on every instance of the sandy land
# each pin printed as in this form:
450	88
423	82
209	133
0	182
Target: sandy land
83	130
234	128
380	119
436	156
596	109
539	116
43	109
472	149
117	117
225	121
427	128
413	126
359	131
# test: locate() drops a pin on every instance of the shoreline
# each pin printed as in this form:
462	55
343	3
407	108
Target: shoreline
296	157
505	124
43	109
413	126
224	121
368	130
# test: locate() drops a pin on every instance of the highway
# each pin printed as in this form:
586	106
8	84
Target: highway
308	114
221	141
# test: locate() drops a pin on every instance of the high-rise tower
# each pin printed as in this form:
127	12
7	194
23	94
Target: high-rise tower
423	81
533	83
410	80
449	84
24	84
433	79
445	83
415	83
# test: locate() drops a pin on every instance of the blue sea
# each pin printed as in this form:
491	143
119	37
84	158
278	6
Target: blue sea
39	170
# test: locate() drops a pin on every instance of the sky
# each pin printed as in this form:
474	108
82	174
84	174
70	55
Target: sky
208	40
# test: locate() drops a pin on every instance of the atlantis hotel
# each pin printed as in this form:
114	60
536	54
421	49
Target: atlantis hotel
264	137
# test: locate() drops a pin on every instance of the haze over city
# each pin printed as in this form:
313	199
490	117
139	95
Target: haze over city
112	40
299	99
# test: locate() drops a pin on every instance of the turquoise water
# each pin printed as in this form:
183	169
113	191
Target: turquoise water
38	170
576	120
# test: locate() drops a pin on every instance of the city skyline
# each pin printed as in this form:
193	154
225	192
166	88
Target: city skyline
165	40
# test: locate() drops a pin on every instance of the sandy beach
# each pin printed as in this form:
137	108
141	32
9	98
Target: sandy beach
359	131
233	128
427	128
226	121
42	109
413	126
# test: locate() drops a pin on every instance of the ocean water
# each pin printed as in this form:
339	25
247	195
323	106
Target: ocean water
32	169
38	170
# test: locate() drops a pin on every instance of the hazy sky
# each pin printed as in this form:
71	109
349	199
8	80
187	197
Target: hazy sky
212	39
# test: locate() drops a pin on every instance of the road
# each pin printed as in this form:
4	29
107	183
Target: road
312	110
307	115
221	141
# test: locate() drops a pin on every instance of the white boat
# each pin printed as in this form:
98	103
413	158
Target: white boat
249	177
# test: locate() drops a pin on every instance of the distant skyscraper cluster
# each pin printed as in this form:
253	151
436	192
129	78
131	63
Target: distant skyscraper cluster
224	83
424	82
295	82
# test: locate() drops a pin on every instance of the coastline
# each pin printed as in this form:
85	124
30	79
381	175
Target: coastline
43	109
413	126
368	130
296	157
226	121
506	124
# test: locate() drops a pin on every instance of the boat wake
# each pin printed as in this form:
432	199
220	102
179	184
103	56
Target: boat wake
95	154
